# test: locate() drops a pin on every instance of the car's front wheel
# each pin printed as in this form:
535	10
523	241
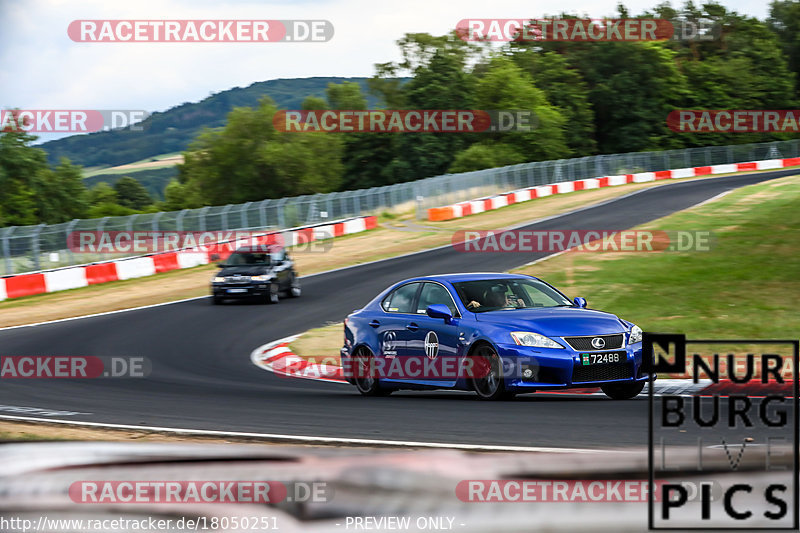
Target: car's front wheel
294	287
623	391
272	295
488	382
364	374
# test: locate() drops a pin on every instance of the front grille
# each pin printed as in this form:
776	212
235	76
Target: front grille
613	342
239	279
581	373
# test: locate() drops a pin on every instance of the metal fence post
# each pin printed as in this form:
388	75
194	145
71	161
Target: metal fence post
262	211
67	232
179	219
244	221
156	218
281	218
330	206
201	217
7	249
131	220
224	216
35	246
100	225
417	199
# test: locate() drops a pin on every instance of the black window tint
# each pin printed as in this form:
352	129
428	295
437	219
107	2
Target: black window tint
246	258
433	293
401	300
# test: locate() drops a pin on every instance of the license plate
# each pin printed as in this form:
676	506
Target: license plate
600	358
233	291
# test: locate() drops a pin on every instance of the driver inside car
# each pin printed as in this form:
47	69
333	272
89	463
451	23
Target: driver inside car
497	297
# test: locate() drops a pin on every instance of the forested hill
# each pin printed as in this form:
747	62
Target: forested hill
173	130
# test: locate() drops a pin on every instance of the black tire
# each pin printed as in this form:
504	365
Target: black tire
294	287
273	296
623	391
216	300
490	387
367	384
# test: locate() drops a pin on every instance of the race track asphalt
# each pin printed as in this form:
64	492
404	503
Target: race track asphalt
202	377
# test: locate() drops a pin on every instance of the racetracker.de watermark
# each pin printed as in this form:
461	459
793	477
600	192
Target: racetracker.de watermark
560	491
584	30
200	31
554	241
429	367
406	121
734	120
70	120
73	367
199	491
148	242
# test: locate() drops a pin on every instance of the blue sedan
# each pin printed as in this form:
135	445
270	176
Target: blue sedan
496	334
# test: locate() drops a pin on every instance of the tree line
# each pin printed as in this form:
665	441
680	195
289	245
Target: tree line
33	192
589	98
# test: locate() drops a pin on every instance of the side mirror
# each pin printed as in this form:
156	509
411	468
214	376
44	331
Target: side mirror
439	311
580	302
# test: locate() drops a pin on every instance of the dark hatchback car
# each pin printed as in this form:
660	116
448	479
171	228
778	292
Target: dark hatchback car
256	273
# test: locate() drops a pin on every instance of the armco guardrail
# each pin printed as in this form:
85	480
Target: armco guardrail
147	265
480	205
42	247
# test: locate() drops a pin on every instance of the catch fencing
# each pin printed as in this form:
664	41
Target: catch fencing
43	247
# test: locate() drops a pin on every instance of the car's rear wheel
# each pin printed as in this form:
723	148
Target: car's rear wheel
364	374
489	383
623	391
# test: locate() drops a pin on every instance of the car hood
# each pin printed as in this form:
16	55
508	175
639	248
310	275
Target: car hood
244	270
556	321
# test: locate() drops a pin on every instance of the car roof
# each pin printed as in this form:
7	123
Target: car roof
470	276
258	249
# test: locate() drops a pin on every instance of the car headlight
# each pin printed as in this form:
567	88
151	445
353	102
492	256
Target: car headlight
636	335
218	279
259	278
527	338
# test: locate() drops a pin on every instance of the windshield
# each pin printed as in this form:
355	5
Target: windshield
243	259
502	294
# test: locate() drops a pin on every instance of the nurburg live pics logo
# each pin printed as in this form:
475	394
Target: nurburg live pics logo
738	442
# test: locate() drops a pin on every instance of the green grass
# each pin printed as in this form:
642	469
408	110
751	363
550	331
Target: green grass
92	171
746	286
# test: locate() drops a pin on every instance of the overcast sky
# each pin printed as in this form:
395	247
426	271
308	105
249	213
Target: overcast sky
41	68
